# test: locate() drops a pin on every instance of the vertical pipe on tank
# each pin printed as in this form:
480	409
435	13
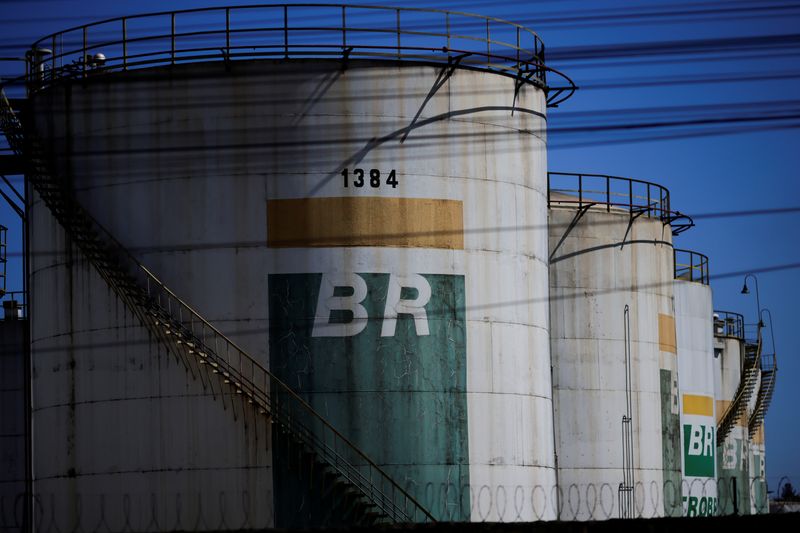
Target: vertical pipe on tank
627	502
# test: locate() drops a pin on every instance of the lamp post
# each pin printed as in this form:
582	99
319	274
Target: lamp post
745	290
771	331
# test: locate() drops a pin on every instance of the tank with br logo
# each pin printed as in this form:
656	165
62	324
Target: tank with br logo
370	226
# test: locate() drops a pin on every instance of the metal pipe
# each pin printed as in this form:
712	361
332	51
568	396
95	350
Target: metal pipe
398	34
85	30
488	45
124	44
630	195
28	524
228	31
286	32
447	28
344	28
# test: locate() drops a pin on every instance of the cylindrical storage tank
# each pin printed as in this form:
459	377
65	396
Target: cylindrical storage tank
694	329
613	347
733	484
370	231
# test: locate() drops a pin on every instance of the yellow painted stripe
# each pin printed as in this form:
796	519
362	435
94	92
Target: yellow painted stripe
365	221
694	404
666	334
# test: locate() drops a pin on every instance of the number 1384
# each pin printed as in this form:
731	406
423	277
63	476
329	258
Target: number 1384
358	178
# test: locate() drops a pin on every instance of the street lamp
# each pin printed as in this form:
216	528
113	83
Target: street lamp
745	290
771	331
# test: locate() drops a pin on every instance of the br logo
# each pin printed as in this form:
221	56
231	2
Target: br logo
340	310
698	447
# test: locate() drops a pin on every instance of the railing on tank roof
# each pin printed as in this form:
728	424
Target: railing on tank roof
21	305
295	31
728	324
614	193
691	266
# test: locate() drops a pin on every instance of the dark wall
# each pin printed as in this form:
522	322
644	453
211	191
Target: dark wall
12	422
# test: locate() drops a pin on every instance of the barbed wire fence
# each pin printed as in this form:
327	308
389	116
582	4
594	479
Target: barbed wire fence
221	510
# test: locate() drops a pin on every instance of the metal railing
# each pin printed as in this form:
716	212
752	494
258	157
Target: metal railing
607	192
769	371
599	191
691	266
293	31
21	299
209	351
728	324
230	373
750	375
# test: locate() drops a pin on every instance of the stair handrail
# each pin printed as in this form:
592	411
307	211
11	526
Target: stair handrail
740	399
351	472
764	394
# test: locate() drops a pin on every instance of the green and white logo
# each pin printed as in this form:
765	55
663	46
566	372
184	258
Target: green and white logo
383	357
698	450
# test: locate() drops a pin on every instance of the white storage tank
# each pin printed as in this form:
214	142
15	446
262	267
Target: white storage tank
694	327
361	227
613	345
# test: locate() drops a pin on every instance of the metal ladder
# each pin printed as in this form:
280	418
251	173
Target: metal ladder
769	370
750	376
361	492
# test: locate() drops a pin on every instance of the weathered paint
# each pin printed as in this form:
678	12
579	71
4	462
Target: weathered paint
671	444
365	221
694	331
666	334
759	502
144	146
401	393
589	290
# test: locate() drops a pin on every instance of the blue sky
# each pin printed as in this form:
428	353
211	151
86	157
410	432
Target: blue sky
743	64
